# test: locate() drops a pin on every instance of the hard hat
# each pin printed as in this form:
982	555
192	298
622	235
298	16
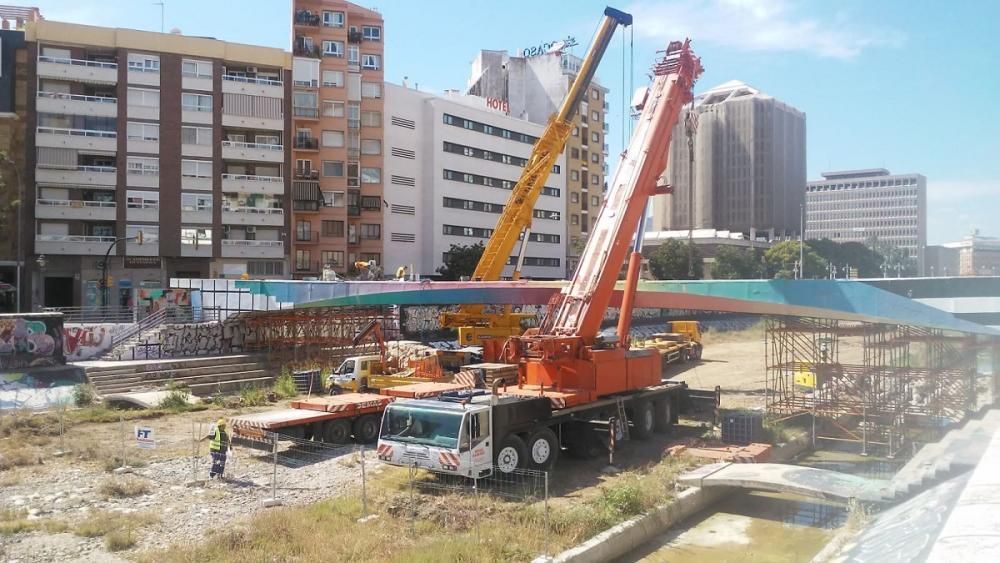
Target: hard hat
221	422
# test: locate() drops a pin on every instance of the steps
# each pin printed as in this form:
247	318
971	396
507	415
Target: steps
202	376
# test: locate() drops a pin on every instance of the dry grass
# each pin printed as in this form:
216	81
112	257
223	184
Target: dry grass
119	540
19	456
102	523
123	487
16	521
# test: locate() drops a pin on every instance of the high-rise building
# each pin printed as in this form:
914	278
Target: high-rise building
861	205
337	110
749	166
181	139
451	167
533	88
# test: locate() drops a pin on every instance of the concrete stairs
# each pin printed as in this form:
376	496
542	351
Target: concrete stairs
202	376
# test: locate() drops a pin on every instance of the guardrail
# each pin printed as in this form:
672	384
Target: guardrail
244	145
260	243
74	203
249	80
77	168
72	238
78	97
254	178
94	314
78	132
255	210
76	62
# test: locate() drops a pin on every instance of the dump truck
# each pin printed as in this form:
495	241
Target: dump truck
680	344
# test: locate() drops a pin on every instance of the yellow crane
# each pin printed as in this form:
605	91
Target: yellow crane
474	322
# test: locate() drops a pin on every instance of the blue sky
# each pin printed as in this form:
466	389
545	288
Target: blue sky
909	86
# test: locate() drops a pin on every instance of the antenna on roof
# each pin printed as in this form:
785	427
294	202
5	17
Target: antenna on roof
162	5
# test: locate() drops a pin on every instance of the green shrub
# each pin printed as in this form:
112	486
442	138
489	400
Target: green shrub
284	386
251	396
84	395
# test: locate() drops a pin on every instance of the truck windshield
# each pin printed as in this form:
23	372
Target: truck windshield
421	426
345	368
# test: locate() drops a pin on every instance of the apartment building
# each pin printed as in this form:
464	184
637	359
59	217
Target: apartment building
181	139
337	109
451	166
533	88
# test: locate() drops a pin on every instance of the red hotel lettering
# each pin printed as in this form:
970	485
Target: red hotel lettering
498	104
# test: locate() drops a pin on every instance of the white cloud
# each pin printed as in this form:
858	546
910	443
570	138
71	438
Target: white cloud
759	25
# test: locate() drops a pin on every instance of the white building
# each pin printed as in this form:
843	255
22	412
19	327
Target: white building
450	166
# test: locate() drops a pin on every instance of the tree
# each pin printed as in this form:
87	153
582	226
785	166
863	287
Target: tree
848	254
460	261
895	260
669	261
732	263
781	258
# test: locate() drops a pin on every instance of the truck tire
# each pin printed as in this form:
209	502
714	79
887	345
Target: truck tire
643	420
664	415
511	455
337	432
543	449
366	429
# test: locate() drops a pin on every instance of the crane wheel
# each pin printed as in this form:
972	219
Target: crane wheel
366	429
643	419
663	411
543	449
511	455
336	432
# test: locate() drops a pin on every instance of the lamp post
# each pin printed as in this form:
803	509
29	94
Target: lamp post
802	238
105	294
40	261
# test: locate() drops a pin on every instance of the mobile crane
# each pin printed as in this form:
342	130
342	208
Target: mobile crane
569	378
474	322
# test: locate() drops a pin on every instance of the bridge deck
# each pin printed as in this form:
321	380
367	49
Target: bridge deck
781	478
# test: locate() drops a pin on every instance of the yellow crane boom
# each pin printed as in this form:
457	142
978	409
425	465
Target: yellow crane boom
474	323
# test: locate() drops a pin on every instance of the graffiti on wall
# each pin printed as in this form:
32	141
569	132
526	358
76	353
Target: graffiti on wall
83	342
193	339
152	300
39	388
31	340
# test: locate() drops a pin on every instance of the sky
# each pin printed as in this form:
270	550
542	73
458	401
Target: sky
901	84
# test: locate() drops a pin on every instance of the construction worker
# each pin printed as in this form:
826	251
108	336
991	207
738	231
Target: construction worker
401	273
218	448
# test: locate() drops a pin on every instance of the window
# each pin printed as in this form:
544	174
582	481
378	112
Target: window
371	33
371	119
142	200
333	109
265	268
371	62
576	131
333	258
146	166
595	200
196	135
595	94
574	152
371	90
595	137
371	146
302	259
353	55
333	228
595	116
574	175
304	100
303	230
333	19
143	131
196	69
196	168
150	233
196	202
196	236
333	78
371	175
143	63
371	232
333	199
595	180
196	102
333	138
574	197
333	48
595	158
574	219
333	168
143	97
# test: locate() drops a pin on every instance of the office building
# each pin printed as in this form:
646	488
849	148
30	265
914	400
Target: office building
977	256
862	205
533	88
451	166
181	139
337	110
749	166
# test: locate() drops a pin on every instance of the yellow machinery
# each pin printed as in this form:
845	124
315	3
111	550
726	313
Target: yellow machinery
681	344
474	322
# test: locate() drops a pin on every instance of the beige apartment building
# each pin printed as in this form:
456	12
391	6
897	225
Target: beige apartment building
337	111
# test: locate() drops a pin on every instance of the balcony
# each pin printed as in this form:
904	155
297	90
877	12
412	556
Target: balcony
78	70
306	143
147	112
238	150
203	248
72	244
307	18
74	104
252	122
305	112
307	238
235	248
262	216
253	86
80	139
303	48
75	209
306	174
201	215
191	149
142	76
203	183
138	145
146	212
145	178
194	114
250	184
354	37
76	175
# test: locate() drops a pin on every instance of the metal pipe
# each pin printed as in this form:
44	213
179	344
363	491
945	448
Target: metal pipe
588	68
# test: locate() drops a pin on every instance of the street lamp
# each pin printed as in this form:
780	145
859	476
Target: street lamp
105	295
41	262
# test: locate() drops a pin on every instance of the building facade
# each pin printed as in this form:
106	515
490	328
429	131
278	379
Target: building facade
749	166
451	166
337	108
533	88
861	205
181	139
977	255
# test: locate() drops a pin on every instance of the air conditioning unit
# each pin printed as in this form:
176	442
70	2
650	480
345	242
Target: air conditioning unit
251	229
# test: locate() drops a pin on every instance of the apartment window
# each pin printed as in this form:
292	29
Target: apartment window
303	230
371	33
265	268
574	152
143	97
143	131
595	180
333	199
353	55
305	100
371	62
371	175
371	203
196	69
146	166
333	168
334	78
595	94
196	236
150	233
595	200
595	158
371	231
371	119
333	139
574	219
595	116
595	137
135	199
143	63
334	258
196	135
576	131
196	202
333	108
333	48
196	102
371	146
574	175
574	197
302	259
333	228
196	168
333	19
371	89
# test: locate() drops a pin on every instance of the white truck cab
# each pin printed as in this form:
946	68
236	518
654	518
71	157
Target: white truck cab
354	370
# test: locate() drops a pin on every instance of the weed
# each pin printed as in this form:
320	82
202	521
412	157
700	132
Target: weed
251	396
177	399
102	523
123	487
84	395
15	521
19	457
284	386
119	540
11	479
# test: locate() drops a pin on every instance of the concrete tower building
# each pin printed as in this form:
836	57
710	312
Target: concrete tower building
749	166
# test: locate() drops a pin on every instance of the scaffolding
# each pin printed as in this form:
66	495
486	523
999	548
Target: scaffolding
870	383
